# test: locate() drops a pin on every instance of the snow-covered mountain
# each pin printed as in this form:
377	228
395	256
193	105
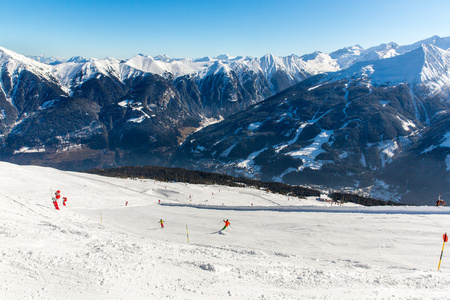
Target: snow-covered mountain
49	60
13	64
427	65
94	106
443	43
357	108
296	68
348	128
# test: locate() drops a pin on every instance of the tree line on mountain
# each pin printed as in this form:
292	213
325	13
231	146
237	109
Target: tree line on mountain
199	177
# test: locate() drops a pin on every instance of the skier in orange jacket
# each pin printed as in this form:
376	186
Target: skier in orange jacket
227	223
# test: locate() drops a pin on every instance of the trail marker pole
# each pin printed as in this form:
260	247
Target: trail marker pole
187	234
445	237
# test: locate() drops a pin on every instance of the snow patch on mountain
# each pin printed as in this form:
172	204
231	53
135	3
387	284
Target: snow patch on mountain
227	151
30	150
137	120
363	160
248	163
47	104
209	121
70	147
309	154
387	150
407	125
278	148
280	177
254	126
444	142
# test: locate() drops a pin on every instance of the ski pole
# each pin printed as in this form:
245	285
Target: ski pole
445	237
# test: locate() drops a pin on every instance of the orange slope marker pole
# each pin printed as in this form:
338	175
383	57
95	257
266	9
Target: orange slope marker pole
445	237
187	234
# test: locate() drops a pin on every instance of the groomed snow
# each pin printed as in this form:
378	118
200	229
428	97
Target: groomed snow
277	247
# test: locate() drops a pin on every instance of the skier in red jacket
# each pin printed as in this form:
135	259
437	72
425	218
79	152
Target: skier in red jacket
440	202
227	223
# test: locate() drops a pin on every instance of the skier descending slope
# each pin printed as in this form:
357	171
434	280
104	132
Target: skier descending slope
162	223
227	223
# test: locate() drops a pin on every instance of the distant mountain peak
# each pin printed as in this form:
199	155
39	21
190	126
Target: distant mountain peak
164	58
14	63
311	56
223	57
49	60
78	59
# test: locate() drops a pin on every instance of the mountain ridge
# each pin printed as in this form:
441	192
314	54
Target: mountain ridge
347	128
161	64
293	119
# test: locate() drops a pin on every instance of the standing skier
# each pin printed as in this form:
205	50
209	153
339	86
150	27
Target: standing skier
162	223
56	198
227	223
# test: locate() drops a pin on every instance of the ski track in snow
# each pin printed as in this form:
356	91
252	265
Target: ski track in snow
98	248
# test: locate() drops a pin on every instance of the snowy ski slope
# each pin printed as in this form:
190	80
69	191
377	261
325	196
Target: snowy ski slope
277	248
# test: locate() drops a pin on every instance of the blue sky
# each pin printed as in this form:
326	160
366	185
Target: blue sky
193	29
